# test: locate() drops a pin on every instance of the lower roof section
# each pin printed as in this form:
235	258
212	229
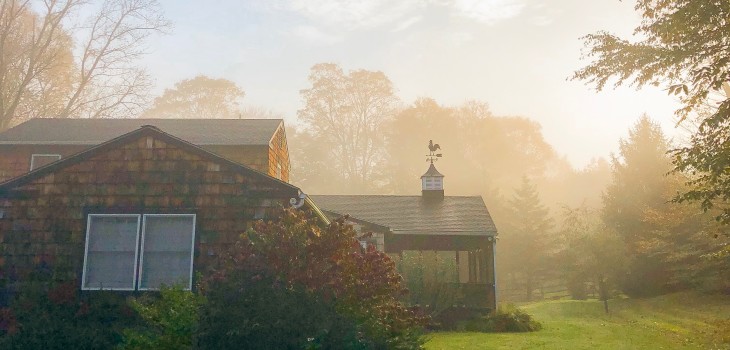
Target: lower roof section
454	215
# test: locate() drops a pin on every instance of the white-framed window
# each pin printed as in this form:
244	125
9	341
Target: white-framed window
110	258
39	160
167	250
138	251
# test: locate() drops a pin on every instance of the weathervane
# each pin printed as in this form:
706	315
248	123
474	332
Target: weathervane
432	155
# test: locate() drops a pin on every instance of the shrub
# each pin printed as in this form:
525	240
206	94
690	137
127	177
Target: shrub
56	315
508	319
294	283
264	315
455	318
170	320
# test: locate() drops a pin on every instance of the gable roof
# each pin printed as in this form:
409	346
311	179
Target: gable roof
146	130
95	131
455	215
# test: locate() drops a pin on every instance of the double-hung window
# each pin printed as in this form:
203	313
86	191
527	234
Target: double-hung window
138	252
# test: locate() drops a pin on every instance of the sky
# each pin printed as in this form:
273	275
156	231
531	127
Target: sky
515	55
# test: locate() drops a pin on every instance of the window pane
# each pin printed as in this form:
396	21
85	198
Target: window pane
39	160
111	252
167	247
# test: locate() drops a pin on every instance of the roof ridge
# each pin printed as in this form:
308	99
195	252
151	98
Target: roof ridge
107	119
67	131
391	195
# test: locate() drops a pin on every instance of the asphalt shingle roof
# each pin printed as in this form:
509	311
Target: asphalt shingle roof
95	131
455	215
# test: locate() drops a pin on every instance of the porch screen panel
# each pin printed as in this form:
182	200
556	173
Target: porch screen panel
111	252
167	247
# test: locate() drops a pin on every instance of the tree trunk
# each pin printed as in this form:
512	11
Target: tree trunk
603	291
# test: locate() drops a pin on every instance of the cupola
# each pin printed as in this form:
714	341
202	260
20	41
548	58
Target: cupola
432	182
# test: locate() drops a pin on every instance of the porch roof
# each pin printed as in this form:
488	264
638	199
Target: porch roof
414	215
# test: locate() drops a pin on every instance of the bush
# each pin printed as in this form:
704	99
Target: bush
294	284
263	315
455	318
170	320
509	319
56	315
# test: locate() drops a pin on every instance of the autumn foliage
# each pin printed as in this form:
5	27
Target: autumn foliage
297	283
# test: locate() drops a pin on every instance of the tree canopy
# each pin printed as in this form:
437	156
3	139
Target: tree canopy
347	112
199	97
683	46
41	75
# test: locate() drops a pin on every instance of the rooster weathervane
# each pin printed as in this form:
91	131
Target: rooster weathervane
432	155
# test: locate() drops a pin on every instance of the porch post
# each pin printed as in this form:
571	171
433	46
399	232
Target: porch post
493	240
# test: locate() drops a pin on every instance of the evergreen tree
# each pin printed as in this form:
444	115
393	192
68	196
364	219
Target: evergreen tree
639	185
526	242
681	45
666	242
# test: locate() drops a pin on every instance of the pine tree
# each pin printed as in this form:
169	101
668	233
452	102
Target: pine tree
639	186
526	242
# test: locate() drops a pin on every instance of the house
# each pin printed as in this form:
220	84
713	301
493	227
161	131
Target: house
459	228
258	143
118	205
134	212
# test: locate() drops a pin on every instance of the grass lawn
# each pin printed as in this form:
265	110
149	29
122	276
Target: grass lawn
677	321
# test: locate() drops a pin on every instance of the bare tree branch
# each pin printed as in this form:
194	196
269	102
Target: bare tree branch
39	75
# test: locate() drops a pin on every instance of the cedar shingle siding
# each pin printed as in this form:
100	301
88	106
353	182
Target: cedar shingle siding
279	155
258	143
15	159
43	214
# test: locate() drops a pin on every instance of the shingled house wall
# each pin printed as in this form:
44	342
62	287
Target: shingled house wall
15	159
43	221
279	155
255	157
267	152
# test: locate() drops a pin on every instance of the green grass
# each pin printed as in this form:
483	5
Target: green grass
677	321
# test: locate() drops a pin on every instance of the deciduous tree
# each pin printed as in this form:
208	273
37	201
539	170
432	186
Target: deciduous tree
33	82
481	151
199	97
346	112
678	238
40	75
590	252
683	46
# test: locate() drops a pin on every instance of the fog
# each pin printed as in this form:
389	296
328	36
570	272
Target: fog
514	55
583	182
